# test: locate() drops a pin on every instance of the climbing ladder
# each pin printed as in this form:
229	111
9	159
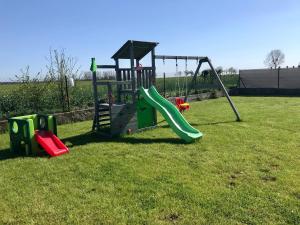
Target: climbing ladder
102	116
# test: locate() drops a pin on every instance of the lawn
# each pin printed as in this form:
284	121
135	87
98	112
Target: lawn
239	173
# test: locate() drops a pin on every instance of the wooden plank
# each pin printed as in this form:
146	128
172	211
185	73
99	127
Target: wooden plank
104	115
143	78
125	108
120	125
148	79
124	78
127	91
138	78
102	120
106	83
106	66
128	79
105	124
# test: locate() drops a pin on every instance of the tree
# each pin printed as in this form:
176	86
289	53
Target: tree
219	70
206	73
275	58
61	68
232	70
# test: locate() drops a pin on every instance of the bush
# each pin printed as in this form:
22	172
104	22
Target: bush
81	97
8	103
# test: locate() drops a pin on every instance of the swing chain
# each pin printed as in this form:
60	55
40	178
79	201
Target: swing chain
178	79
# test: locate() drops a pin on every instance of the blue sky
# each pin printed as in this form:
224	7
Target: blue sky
235	33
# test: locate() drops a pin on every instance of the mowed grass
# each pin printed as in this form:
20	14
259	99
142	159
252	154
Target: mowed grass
239	173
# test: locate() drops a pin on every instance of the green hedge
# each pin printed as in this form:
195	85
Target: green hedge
45	97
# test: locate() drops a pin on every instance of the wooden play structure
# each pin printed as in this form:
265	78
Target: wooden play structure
125	112
132	100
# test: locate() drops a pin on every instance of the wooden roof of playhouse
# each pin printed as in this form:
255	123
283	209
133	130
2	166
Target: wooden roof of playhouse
140	49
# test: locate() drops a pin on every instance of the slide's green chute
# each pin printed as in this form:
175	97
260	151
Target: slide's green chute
171	114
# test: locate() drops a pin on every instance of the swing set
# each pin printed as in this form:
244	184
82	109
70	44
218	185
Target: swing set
182	103
136	101
180	90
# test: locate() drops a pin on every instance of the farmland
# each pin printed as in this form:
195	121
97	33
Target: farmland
45	97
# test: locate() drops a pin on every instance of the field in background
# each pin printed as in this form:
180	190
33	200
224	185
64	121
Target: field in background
239	173
20	99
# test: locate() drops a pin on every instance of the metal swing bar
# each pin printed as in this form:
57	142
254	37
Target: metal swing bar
198	58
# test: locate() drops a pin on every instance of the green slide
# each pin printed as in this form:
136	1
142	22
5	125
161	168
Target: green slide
171	114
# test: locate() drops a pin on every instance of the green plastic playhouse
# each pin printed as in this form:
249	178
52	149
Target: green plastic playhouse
22	132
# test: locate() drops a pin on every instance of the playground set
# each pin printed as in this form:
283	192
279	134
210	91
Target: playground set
132	109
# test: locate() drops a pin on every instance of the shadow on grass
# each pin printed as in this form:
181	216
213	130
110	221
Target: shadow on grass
93	137
216	123
6	154
201	124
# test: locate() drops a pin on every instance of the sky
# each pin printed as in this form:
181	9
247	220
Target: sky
236	33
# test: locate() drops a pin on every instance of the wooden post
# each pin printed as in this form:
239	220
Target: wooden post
67	93
118	76
133	80
138	73
96	116
153	67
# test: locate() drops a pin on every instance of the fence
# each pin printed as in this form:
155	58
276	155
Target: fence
282	78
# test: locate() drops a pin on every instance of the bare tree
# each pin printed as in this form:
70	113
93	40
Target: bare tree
61	68
275	58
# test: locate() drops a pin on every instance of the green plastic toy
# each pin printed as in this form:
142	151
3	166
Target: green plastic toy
22	132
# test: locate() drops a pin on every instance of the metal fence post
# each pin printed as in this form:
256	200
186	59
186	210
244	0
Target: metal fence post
278	78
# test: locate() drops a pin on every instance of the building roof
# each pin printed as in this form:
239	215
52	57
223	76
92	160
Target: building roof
140	49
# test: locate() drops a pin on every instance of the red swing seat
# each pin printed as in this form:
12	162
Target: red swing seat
181	105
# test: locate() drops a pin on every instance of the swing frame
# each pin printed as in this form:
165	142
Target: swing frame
200	60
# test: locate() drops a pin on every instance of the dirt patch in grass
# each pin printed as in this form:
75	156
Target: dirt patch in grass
297	195
268	178
173	217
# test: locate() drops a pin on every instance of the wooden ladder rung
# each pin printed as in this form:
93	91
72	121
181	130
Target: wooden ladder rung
126	91
104	115
102	120
103	110
105	124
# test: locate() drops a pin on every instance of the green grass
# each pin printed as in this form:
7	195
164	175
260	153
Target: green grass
239	173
